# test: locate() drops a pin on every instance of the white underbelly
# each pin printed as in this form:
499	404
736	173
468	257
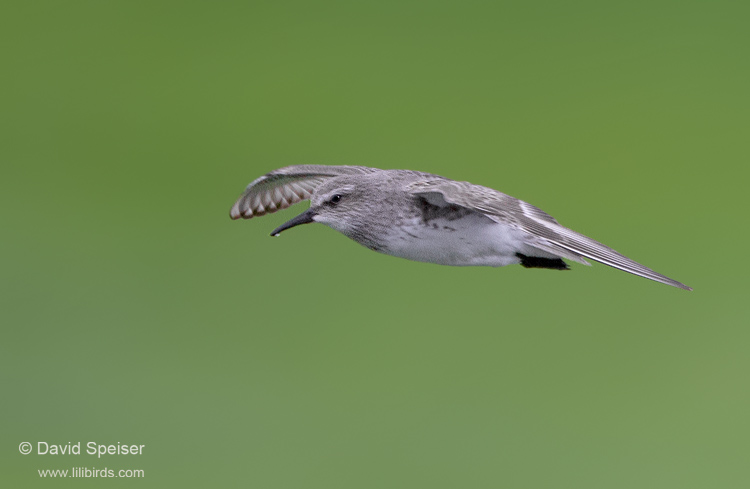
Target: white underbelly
470	240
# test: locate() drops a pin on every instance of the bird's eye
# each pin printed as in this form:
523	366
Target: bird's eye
335	199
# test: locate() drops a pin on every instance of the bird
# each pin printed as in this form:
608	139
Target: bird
428	218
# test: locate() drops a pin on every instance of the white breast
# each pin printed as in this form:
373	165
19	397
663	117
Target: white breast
470	240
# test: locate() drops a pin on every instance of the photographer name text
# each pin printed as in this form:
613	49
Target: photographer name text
90	448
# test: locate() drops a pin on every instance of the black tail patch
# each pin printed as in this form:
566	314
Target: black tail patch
537	262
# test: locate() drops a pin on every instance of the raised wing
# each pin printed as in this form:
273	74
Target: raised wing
286	186
545	232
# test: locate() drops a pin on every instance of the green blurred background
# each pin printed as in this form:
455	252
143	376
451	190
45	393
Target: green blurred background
135	311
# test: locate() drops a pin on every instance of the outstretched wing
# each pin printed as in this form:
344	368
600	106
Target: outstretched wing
286	186
545	232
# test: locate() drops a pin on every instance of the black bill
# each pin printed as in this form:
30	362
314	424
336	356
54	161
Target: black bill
304	218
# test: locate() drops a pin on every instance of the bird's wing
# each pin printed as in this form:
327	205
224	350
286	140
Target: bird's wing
546	233
286	186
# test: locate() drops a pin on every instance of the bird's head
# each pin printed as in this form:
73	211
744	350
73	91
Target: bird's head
339	203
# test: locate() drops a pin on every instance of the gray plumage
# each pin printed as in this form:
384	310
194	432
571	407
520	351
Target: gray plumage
429	218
